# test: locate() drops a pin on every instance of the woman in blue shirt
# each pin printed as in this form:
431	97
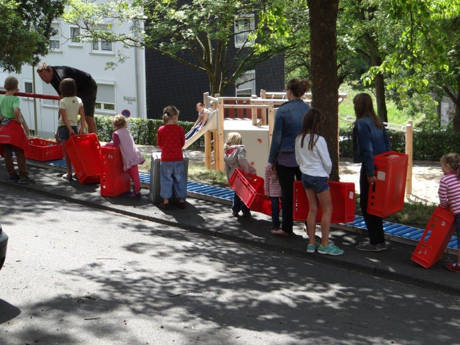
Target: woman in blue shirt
369	139
288	124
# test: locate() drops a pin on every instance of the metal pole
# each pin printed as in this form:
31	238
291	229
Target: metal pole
35	102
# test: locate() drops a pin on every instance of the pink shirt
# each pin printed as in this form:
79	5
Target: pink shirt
271	183
449	192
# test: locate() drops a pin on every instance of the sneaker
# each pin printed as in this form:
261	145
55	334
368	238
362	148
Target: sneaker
164	206
235	213
247	214
453	266
367	247
330	249
67	177
14	177
135	195
181	204
311	248
25	180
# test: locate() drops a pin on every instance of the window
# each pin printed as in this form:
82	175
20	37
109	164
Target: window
75	34
244	25
105	101
55	41
28	87
245	85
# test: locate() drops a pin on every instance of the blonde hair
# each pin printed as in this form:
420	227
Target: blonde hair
11	84
119	121
234	138
169	112
453	161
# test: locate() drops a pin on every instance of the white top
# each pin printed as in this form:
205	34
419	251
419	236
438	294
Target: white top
316	162
72	106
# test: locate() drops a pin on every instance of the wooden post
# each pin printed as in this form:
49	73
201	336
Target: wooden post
253	112
207	149
271	123
205	100
220	136
409	152
214	153
263	94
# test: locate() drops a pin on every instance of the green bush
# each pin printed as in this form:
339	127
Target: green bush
429	144
144	131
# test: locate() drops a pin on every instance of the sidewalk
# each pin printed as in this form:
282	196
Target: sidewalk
211	218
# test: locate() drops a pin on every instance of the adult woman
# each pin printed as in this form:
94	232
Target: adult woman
369	139
288	123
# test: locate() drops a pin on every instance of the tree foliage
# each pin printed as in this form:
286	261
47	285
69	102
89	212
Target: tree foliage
25	30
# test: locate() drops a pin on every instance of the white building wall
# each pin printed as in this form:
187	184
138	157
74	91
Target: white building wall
121	88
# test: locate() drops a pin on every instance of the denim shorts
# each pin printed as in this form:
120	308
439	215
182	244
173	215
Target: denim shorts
63	132
317	183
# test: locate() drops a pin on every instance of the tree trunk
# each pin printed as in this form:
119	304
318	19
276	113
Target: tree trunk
323	47
379	84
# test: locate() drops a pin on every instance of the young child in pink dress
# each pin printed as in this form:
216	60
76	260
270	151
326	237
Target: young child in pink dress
130	155
273	190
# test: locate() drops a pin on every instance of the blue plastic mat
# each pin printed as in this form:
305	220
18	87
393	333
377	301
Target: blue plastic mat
393	229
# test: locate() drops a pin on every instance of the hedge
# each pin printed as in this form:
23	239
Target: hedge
144	131
429	144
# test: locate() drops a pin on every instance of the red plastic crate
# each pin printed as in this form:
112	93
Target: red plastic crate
386	195
84	151
435	238
114	181
343	202
43	150
13	134
250	189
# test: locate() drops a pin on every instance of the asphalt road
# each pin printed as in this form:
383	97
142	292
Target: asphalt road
75	275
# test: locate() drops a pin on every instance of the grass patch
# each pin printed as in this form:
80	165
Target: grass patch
200	173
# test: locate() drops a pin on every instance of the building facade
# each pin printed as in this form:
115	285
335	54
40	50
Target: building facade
120	88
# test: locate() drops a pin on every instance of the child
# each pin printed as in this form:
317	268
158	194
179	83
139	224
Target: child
449	196
315	164
203	115
130	155
171	139
273	190
11	119
70	106
235	158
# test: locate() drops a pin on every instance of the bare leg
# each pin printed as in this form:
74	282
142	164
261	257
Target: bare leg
326	206
311	217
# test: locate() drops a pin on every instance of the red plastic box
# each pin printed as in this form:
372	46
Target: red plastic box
386	195
343	202
250	189
435	238
84	151
43	150
114	181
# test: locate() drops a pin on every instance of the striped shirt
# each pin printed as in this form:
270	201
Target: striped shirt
449	192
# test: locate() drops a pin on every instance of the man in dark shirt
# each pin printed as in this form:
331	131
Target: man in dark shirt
86	87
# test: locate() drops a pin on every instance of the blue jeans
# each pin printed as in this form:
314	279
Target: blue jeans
190	133
172	179
275	201
238	205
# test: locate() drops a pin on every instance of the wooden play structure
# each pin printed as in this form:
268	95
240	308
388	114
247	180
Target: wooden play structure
253	117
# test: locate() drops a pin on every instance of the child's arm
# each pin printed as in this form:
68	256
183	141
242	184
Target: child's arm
83	124
17	114
442	192
115	140
324	155
63	114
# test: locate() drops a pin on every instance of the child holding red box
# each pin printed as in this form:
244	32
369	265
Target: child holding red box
449	196
235	158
